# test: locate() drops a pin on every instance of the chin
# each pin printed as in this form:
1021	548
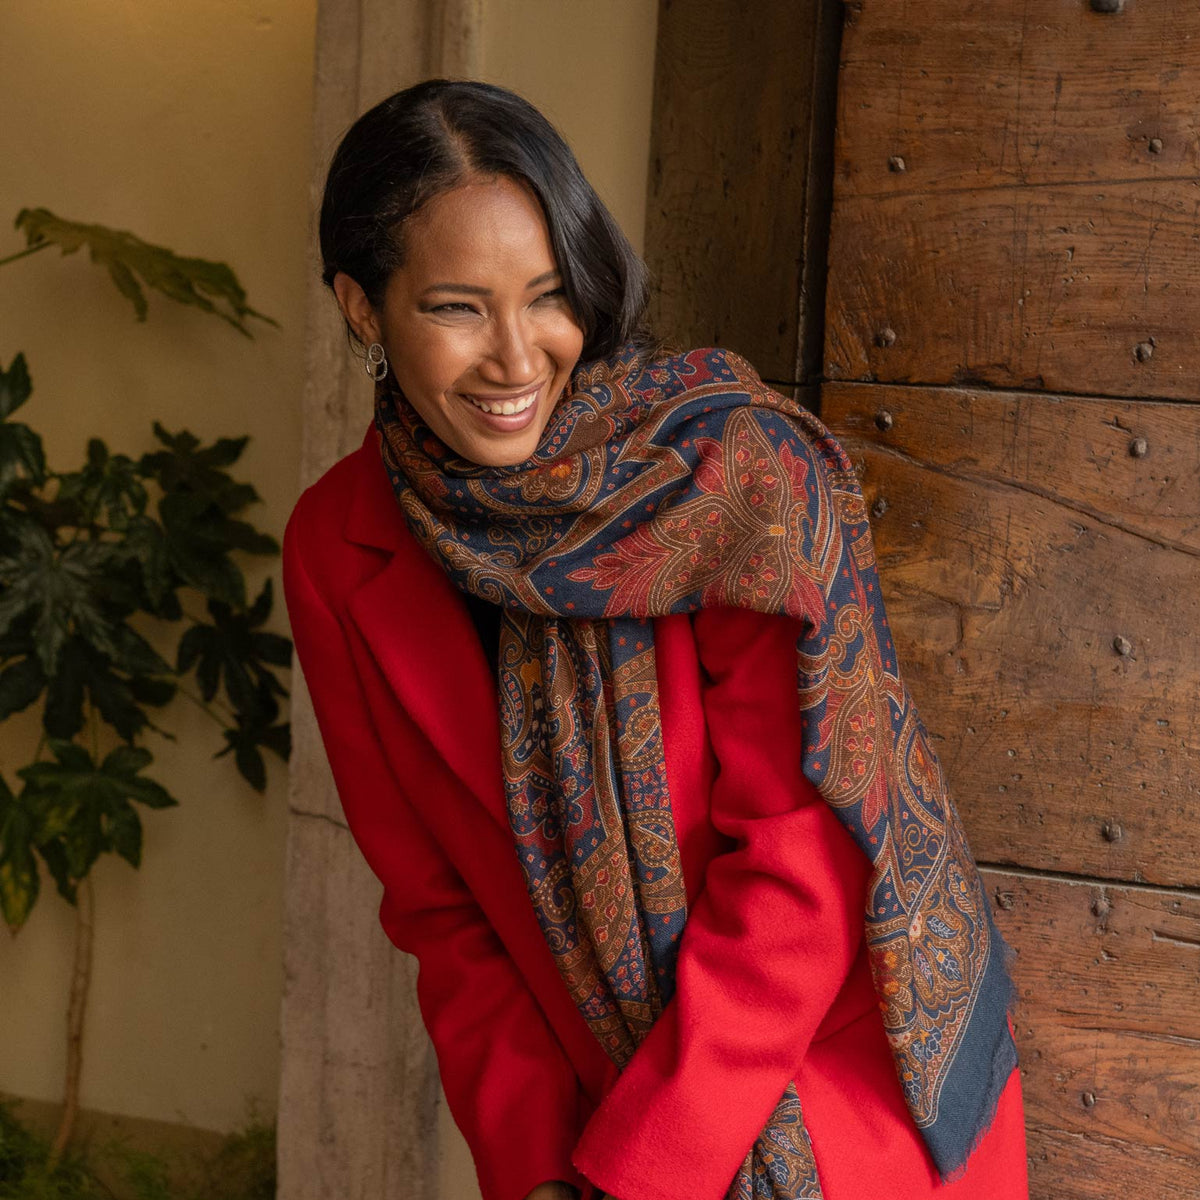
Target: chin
499	456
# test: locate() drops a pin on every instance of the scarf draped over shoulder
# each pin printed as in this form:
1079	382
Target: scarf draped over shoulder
665	487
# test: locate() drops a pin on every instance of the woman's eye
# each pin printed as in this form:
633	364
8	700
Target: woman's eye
554	294
456	307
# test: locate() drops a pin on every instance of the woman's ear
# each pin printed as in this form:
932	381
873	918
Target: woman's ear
357	309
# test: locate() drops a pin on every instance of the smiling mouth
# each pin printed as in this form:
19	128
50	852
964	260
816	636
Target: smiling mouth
507	407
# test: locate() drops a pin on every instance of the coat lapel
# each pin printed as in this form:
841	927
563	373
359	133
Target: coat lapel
420	633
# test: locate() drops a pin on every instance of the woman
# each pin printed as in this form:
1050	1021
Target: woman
594	638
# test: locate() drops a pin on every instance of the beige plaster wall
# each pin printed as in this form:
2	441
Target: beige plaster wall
589	66
188	122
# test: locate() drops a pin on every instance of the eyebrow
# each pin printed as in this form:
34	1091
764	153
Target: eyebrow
468	289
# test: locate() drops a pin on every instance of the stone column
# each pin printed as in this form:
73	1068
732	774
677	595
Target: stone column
359	1110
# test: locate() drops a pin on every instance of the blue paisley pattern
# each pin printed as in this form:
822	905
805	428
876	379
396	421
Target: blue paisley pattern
667	487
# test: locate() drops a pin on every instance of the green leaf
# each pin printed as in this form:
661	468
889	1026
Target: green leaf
69	755
217	577
117	698
198	511
15	386
54	855
155	692
84	808
146	544
125	829
135	655
260	610
277	739
87	841
240	535
19	887
250	765
191	646
124	764
134	265
201	645
188	466
21	455
249	761
224	452
59	588
113	699
21	683
108	485
245	740
21	452
273	648
27	504
18	867
63	714
127	760
198	550
231	650
17	639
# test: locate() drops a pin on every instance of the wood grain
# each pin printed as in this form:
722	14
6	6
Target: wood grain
1017	206
742	133
1074	288
1046	625
1108	1029
1015	94
1016	198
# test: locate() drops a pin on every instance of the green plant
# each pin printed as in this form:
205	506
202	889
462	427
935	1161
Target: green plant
241	1168
94	560
27	1171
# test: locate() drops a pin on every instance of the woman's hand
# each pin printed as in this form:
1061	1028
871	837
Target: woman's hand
553	1190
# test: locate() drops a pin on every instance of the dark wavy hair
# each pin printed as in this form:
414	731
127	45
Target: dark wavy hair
432	137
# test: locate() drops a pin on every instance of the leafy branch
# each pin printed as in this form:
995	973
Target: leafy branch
134	265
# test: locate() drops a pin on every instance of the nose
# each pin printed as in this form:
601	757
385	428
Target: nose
512	357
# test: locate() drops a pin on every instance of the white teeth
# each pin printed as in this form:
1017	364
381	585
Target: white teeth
505	407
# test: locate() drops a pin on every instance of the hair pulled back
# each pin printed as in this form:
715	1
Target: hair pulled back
430	138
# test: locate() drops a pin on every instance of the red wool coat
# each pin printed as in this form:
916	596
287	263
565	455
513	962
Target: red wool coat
772	978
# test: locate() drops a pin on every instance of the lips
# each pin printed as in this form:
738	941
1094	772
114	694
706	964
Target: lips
502	413
504	406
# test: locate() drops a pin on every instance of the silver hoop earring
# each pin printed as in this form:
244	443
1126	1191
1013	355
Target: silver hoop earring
377	363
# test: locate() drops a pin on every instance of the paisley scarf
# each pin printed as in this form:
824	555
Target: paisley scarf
666	487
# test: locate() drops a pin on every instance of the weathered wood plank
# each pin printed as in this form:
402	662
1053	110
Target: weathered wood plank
1082	289
1017	205
1131	463
1073	1166
1015	94
1016	198
737	210
1108	1028
1047	633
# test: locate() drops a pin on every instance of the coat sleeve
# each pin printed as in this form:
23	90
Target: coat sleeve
509	1085
766	948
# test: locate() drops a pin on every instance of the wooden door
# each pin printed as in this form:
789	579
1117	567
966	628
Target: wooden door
1011	353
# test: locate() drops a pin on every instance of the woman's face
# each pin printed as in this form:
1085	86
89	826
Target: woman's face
475	324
